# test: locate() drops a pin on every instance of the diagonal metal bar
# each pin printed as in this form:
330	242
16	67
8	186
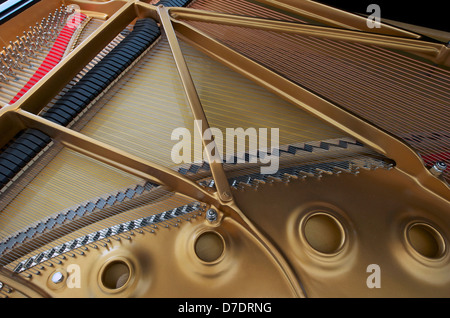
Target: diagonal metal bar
438	52
220	179
229	206
115	157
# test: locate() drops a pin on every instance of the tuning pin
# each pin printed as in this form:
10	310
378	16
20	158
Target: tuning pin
42	25
13	46
55	33
5	55
61	13
3	78
20	41
28	52
16	60
8	50
18	54
20	48
37	40
9	70
26	36
4	70
23	56
27	40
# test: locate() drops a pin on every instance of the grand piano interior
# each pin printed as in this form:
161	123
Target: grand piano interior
111	184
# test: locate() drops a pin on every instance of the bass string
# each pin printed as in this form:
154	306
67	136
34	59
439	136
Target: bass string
242	7
68	179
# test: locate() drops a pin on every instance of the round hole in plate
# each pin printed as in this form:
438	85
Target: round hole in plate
115	274
209	246
426	240
324	233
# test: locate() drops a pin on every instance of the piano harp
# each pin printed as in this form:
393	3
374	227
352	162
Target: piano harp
93	203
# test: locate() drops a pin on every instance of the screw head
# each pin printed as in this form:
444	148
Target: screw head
57	277
211	215
441	165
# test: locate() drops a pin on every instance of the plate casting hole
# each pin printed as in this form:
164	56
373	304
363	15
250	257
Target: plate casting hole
115	275
209	246
426	240
324	233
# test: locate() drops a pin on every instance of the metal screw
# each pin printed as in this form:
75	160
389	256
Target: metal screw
211	215
438	168
57	277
